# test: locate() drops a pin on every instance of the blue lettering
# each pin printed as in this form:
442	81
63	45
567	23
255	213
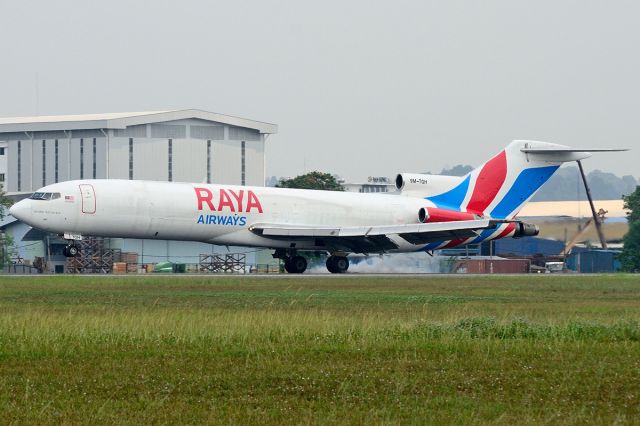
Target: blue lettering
211	219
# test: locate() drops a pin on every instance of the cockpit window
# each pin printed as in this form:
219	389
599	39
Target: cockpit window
45	195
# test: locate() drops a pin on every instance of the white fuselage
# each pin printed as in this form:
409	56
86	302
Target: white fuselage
217	214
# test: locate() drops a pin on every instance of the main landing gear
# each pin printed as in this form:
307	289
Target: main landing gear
296	264
293	263
337	264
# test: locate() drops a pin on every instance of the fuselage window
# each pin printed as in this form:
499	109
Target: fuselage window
45	195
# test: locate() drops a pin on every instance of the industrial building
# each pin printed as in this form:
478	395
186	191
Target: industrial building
373	184
175	146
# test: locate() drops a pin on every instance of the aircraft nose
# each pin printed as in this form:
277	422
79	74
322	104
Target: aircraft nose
21	210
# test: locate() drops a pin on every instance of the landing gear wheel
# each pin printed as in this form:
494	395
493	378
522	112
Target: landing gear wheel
331	267
295	264
337	264
70	251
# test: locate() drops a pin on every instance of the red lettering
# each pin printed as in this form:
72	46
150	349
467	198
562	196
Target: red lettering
253	202
225	201
204	196
238	198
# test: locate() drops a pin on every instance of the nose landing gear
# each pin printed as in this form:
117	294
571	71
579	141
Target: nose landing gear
71	250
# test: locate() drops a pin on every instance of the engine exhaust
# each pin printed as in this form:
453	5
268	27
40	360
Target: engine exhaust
526	230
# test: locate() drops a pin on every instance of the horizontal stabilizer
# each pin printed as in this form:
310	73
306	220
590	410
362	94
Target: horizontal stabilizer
552	153
548	150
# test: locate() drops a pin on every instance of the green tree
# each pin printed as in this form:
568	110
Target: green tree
630	256
7	249
312	180
5	202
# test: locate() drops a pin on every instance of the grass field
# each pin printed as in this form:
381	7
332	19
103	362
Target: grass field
505	350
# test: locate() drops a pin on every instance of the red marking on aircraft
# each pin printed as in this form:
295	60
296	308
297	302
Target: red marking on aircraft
488	183
233	202
445	215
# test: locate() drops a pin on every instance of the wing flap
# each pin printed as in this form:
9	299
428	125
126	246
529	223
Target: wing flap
424	238
371	239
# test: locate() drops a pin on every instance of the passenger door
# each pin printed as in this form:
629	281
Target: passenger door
88	198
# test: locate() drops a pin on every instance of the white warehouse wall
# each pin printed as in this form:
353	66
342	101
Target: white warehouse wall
150	159
189	160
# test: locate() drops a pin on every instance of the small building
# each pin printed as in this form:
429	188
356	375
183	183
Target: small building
372	184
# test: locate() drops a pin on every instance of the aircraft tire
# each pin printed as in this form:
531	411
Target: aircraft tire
296	265
337	264
287	264
331	264
331	267
342	264
72	250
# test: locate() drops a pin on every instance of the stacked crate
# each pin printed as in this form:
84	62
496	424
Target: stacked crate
119	268
131	260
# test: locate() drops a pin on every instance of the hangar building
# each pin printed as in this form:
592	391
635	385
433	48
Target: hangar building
179	145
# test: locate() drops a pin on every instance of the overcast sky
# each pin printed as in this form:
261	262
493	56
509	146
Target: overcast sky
357	88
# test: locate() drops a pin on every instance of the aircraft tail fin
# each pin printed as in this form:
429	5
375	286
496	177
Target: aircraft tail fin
501	186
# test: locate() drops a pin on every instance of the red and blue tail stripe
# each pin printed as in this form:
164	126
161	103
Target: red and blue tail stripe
486	188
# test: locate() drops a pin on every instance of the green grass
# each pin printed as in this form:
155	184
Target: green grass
463	349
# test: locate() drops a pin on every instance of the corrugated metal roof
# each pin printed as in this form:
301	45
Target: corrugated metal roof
75	117
120	120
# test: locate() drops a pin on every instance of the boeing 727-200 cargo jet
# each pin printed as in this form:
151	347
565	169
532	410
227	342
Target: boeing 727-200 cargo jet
428	213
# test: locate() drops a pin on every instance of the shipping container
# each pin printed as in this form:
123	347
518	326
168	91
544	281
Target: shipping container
594	261
492	266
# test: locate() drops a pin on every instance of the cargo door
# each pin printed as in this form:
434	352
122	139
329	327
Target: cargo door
88	198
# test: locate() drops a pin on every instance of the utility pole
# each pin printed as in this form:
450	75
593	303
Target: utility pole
596	219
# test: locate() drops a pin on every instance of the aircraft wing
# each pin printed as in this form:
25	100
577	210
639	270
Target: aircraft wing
374	239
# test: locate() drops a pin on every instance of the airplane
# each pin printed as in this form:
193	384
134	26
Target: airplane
427	213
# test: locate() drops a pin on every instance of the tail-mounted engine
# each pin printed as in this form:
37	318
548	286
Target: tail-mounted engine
434	214
425	185
526	230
